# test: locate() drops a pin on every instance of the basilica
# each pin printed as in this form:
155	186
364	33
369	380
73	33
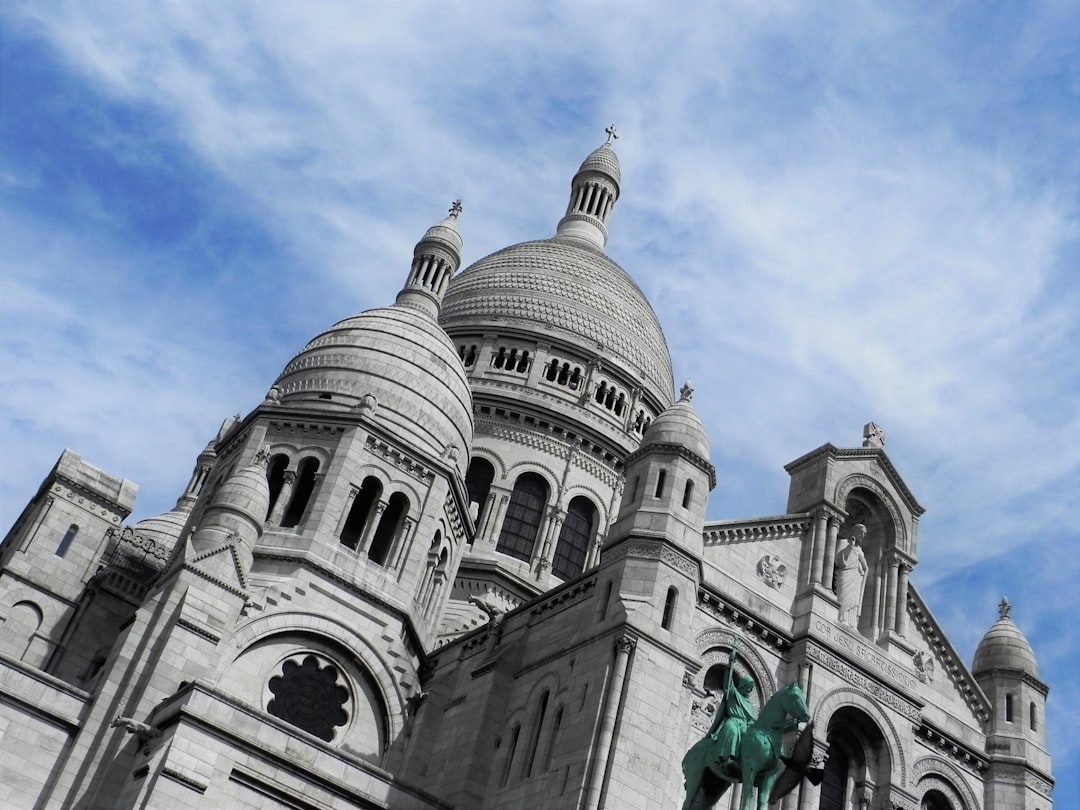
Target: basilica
458	557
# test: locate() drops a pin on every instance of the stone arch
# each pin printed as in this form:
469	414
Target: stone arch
846	696
340	635
861	481
707	644
935	773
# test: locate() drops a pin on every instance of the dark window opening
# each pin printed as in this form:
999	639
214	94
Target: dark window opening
67	540
523	516
572	549
360	512
305	486
388	529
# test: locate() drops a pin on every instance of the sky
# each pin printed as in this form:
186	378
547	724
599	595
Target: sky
842	212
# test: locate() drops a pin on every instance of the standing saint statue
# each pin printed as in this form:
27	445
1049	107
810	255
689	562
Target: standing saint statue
850	576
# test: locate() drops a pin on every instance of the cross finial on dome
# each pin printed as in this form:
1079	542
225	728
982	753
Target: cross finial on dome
687	391
612	134
456	208
1004	608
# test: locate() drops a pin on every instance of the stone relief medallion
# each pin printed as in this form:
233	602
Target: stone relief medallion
924	666
309	695
772	570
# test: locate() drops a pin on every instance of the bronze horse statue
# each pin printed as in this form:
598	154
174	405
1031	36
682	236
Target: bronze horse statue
759	760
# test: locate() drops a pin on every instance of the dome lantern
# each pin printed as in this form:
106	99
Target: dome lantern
593	193
436	257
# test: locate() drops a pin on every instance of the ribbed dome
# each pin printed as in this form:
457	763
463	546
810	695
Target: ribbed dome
1004	647
246	491
603	160
163	530
560	287
679	425
382	361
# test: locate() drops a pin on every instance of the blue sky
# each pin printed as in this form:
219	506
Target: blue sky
842	212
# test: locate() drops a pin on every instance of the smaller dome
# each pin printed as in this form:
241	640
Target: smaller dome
603	160
246	491
163	530
1004	647
680	425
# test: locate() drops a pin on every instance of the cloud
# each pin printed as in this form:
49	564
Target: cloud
841	213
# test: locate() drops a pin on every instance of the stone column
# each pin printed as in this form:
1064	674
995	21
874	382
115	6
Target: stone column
282	499
372	524
401	542
809	794
830	552
901	599
820	523
890	592
353	492
624	646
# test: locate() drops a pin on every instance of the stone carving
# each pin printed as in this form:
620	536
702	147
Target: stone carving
873	435
850	579
772	570
1004	608
924	666
142	731
273	396
368	403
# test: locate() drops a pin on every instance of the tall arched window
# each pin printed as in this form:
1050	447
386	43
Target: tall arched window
515	732
67	540
669	608
523	516
305	485
538	727
688	493
1032	716
1008	708
661	477
360	512
478	484
577	532
275	477
389	527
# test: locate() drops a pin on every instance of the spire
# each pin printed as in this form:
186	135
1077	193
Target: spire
436	258
593	194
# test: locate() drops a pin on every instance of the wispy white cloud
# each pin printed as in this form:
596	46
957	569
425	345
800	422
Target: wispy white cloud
842	212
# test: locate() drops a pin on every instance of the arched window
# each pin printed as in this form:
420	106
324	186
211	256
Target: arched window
935	800
538	727
523	516
660	479
67	540
360	512
389	527
555	725
1008	708
688	493
669	608
1032	716
275	477
305	485
515	733
577	532
478	484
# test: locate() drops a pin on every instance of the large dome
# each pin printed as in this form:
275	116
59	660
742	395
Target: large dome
566	288
380	362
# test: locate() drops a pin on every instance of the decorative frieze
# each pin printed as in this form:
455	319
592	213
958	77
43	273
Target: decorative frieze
775	528
851	675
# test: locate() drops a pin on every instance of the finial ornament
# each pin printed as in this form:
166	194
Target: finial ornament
262	457
1004	608
612	134
687	391
456	208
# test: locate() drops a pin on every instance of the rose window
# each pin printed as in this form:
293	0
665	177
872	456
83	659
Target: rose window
307	694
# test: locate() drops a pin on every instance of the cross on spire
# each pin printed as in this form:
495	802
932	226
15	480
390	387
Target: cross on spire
456	208
612	134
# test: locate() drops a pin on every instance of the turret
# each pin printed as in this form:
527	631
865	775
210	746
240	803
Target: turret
1005	667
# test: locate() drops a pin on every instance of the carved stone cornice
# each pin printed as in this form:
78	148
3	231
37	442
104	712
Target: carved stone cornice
780	527
656	550
953	750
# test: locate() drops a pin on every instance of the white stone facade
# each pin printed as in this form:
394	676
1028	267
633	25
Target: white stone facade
458	558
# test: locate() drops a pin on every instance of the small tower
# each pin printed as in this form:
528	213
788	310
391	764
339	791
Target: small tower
653	553
1005	668
668	480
